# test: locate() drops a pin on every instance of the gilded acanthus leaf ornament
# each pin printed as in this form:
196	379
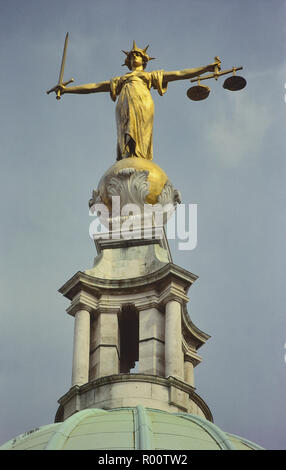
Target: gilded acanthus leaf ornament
132	186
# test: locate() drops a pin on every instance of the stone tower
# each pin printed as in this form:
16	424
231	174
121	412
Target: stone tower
134	342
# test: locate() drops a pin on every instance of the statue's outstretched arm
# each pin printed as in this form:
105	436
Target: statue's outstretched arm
87	88
189	73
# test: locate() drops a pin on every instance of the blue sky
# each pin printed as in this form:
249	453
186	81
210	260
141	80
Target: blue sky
226	154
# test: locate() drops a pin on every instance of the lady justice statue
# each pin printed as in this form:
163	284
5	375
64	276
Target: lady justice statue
135	107
134	176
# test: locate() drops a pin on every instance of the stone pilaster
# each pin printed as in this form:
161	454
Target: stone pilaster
173	340
151	342
104	350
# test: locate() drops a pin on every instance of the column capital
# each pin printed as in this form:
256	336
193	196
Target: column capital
194	359
190	355
82	301
173	292
108	305
147	302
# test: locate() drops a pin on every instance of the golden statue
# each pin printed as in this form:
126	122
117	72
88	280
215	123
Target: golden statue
135	107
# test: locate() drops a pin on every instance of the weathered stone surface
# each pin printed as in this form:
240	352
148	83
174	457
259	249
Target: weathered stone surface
152	357
173	341
129	262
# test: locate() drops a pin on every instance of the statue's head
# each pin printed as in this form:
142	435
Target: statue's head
138	52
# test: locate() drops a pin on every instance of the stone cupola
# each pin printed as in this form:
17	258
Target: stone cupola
134	342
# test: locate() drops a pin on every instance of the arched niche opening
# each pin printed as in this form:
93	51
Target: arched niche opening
129	339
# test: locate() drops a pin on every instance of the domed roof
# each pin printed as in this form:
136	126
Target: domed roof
129	429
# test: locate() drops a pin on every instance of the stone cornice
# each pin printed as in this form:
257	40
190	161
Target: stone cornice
79	282
159	279
108	306
127	378
161	239
75	390
202	404
82	301
107	244
146	303
173	292
191	333
190	355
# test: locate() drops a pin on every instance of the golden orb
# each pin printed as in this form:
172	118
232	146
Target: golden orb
157	177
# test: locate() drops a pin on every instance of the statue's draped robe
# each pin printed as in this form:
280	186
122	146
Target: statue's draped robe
135	110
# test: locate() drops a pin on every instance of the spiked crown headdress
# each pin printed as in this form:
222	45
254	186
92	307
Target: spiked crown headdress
143	53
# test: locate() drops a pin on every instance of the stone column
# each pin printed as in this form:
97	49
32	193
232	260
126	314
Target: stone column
151	342
173	340
189	372
81	343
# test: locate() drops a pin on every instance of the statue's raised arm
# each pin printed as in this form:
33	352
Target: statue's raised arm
85	89
191	73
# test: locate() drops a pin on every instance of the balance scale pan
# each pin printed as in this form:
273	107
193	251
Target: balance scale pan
198	92
234	83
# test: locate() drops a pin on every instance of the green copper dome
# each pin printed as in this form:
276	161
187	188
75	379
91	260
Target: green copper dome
128	429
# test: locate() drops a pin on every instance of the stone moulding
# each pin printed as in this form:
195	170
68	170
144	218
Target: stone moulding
83	281
75	393
191	333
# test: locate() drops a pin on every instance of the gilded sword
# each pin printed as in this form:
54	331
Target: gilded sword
60	82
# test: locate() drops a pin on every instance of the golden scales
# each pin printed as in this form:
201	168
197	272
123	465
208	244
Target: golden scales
201	92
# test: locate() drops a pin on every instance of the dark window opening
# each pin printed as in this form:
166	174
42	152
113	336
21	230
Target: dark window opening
129	339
